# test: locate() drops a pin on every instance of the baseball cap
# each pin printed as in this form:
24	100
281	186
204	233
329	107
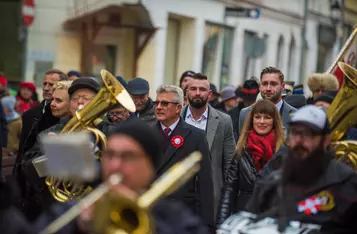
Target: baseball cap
313	117
138	86
84	83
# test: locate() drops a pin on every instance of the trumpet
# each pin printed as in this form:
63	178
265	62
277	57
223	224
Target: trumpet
115	213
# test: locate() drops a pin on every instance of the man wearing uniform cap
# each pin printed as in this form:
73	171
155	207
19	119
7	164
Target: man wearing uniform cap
138	89
312	187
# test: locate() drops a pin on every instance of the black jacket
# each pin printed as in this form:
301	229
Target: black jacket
197	192
238	187
169	217
338	212
3	134
234	113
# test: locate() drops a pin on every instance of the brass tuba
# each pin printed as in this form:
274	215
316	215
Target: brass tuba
114	213
342	115
86	119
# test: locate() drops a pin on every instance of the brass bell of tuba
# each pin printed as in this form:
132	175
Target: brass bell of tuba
342	115
86	119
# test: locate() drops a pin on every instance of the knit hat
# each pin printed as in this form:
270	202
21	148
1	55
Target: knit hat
186	73
8	103
326	97
74	73
3	80
84	83
148	137
28	85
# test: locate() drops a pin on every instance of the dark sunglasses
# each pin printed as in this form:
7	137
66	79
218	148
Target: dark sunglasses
163	103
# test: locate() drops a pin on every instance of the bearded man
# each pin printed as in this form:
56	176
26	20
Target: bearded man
217	125
311	187
271	87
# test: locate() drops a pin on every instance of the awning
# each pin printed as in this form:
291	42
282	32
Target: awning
121	16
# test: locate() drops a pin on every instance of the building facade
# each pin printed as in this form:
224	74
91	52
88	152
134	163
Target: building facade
160	39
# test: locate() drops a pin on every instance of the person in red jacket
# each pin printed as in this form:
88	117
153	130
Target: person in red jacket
24	97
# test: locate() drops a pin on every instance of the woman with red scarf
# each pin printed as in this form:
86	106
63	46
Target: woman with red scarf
24	97
261	137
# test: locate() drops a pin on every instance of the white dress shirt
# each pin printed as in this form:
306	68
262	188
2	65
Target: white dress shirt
172	127
201	123
279	104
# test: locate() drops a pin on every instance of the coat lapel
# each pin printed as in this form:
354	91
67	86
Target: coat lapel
212	125
180	130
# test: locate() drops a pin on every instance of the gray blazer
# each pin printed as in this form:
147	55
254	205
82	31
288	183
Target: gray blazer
285	115
219	134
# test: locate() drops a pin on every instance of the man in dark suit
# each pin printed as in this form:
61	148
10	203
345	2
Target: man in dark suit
181	139
271	87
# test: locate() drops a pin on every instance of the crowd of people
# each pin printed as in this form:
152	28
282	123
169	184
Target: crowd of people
266	149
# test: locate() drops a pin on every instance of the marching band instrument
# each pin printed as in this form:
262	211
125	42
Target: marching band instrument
115	213
118	214
86	119
342	116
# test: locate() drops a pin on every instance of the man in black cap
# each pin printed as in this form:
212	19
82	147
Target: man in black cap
311	187
132	151
138	89
248	93
37	197
185	78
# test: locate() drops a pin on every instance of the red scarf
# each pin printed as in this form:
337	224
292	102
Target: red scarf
261	148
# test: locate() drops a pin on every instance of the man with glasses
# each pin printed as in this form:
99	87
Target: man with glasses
118	114
179	140
138	89
312	187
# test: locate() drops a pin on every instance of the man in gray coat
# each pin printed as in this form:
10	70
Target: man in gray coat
217	125
271	86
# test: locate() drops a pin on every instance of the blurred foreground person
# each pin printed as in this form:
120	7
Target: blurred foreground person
11	219
312	187
132	151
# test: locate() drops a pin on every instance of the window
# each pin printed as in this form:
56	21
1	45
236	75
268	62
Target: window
280	53
217	54
292	61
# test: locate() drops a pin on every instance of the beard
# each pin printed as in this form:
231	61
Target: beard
197	102
304	171
273	99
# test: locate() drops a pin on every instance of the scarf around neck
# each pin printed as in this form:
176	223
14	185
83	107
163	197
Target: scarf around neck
261	148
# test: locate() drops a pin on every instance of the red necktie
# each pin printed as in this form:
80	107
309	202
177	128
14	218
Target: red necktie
167	132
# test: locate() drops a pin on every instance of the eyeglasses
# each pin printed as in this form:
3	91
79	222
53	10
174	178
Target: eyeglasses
85	98
116	114
163	103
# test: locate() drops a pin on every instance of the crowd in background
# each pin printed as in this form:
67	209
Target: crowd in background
240	130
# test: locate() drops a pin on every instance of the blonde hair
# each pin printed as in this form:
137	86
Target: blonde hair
61	85
261	107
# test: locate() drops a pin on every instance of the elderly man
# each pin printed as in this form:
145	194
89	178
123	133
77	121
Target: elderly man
311	187
138	89
179	140
132	152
